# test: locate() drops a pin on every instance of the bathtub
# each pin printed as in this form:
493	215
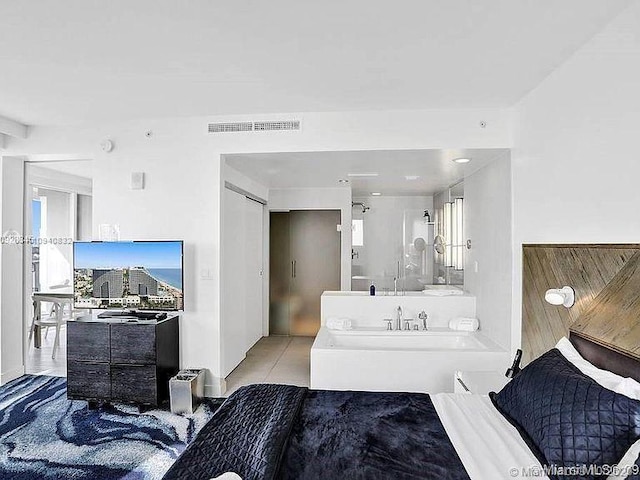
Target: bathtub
399	361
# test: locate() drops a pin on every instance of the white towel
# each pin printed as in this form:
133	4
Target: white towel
334	323
228	476
464	324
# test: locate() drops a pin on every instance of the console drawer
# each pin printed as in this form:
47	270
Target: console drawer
135	344
90	342
88	380
134	383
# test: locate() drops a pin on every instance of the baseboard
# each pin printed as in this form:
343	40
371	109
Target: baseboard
9	375
216	389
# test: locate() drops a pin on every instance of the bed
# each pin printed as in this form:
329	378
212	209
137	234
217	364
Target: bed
555	419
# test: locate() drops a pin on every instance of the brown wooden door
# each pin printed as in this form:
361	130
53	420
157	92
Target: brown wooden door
315	257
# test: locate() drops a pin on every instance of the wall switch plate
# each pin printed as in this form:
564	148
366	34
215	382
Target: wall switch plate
338	228
475	266
137	180
108	232
205	274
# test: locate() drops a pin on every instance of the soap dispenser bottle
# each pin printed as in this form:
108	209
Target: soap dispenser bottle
372	290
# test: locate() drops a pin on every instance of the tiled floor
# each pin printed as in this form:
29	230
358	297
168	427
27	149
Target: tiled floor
274	359
39	360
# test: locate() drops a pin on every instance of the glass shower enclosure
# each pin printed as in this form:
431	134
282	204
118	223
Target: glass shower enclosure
404	244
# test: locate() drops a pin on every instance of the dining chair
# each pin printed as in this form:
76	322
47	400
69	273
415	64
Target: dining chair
56	320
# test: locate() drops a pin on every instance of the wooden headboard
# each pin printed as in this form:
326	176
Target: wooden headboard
606	358
606	279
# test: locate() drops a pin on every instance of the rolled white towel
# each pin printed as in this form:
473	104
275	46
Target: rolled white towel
338	323
464	324
228	476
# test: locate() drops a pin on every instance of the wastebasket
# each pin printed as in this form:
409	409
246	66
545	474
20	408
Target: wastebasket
186	390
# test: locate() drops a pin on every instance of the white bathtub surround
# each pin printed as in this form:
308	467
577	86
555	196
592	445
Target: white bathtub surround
464	324
399	361
367	311
442	290
334	323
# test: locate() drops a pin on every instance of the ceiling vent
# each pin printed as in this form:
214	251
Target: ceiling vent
228	127
277	125
262	126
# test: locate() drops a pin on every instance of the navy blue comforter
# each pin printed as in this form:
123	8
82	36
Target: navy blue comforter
284	432
362	435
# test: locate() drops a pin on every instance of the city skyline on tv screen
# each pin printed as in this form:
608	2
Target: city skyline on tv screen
138	275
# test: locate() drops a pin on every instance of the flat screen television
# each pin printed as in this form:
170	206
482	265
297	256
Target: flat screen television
140	275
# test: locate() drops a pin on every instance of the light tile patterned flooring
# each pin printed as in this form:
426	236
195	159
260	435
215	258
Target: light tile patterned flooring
39	361
274	359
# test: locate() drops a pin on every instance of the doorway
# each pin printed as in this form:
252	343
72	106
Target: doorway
304	253
58	211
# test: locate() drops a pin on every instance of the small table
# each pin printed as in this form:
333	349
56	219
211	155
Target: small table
57	298
481	382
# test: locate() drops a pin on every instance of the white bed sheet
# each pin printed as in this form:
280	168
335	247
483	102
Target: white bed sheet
488	445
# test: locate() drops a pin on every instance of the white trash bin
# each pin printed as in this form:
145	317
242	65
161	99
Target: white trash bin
186	390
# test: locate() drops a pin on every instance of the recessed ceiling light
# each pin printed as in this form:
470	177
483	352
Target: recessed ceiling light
362	174
462	160
343	180
376	194
412	177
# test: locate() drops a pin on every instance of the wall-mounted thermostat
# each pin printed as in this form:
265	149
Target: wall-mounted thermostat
137	181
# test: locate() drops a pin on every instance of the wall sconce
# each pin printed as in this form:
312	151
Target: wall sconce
565	296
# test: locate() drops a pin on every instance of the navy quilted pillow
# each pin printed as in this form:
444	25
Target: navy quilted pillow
567	416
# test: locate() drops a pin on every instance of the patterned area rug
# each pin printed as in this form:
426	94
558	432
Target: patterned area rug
44	436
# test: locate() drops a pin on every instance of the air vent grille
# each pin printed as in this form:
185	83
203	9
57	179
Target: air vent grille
228	127
277	125
262	126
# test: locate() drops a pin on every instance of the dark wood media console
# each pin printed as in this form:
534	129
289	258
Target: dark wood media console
122	360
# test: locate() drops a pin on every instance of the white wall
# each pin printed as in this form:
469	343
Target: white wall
84	213
57	222
575	162
11	286
184	179
487	216
367	311
285	199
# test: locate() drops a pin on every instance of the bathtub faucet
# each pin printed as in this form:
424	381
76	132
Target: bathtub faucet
399	318
423	316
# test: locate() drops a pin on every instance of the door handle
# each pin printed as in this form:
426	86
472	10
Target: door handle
294	269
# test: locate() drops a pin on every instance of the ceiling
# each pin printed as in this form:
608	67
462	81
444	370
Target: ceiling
435	169
79	168
79	61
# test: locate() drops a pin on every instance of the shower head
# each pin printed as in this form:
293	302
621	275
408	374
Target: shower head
362	205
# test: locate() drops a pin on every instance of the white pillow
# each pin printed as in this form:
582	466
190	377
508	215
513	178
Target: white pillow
609	380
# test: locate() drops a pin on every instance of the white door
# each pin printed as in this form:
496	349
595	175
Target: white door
254	269
234	298
241	322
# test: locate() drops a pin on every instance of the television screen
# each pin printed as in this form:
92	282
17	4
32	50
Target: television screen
135	275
